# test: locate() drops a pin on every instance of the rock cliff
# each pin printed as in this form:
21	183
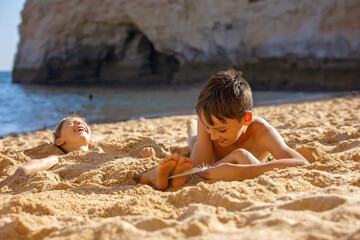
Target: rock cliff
278	44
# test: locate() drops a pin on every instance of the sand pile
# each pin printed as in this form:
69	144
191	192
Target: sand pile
93	195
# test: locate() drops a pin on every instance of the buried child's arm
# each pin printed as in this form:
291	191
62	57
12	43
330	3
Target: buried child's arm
267	138
32	166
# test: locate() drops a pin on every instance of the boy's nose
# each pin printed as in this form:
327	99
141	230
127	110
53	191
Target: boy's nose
213	136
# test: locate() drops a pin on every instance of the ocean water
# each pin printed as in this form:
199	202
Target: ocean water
28	107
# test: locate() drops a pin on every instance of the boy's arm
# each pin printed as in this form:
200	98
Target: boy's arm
239	172
204	146
269	139
32	166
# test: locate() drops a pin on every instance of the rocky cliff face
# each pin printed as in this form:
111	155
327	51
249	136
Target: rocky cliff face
278	44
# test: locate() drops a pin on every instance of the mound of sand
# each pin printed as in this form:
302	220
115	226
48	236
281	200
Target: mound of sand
93	195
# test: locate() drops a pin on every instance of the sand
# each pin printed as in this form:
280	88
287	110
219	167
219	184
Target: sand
93	195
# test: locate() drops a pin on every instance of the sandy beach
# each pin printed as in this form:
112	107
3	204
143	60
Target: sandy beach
94	195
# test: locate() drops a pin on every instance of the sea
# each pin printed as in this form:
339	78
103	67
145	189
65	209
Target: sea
29	107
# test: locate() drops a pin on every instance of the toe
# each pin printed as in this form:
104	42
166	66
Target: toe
176	157
181	161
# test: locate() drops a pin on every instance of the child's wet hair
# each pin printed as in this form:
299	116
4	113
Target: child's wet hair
226	95
57	131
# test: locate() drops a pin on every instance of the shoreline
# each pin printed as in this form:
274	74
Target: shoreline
314	97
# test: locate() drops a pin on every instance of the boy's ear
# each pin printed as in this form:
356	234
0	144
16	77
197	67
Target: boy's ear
59	141
248	118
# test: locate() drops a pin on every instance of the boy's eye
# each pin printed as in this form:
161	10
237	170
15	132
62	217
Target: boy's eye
222	131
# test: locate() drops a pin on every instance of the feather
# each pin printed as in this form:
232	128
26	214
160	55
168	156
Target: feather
198	169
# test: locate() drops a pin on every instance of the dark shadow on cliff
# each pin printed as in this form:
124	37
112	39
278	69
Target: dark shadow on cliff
134	63
138	64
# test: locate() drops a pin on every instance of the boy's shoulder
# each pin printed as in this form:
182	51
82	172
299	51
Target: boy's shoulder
258	121
258	126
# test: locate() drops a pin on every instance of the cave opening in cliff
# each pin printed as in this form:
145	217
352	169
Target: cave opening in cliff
131	62
136	62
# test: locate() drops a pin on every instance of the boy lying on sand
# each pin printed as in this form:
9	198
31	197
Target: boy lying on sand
71	134
229	137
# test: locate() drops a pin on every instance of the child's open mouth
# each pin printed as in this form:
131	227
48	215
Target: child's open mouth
80	129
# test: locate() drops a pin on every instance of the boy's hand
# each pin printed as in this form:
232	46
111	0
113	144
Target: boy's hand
147	152
19	172
222	172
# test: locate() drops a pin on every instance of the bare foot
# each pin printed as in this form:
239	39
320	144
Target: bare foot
183	164
159	176
191	127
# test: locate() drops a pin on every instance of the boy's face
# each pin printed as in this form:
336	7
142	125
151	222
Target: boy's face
75	132
225	134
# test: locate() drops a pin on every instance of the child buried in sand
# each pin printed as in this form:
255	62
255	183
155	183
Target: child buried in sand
230	139
71	134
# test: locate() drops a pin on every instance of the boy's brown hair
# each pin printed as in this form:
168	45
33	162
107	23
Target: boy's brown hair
57	131
226	95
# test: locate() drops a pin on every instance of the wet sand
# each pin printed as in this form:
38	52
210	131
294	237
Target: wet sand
94	195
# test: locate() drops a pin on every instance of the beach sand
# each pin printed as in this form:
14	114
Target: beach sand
93	195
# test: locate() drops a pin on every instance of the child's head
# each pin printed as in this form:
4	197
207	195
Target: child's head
72	133
226	95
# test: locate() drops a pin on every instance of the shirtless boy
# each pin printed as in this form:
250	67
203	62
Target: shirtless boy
71	134
229	137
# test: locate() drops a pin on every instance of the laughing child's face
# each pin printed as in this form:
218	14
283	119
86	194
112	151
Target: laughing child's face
225	132
74	132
